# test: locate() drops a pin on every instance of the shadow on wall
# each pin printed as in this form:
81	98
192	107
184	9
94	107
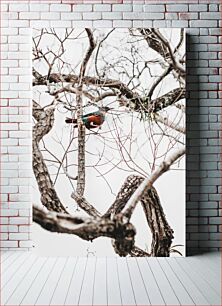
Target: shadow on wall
192	149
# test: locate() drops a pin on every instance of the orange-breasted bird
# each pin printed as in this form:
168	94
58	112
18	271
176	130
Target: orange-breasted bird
92	120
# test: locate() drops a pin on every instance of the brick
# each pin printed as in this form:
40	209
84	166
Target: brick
4	7
19	102
8	244
18	236
25	244
21	7
207	15
60	24
147	23
122	23
180	23
8	212
24	212
171	15
201	7
102	23
203	23
214	8
135	15
60	8
188	16
3	220
9	63
137	8
39	24
24	229
8	228
9	15
200	236
83	8
18	23
102	7
208	213
177	8
29	15
122	7
92	16
39	7
138	23
19	220
154	8
70	16
112	15
210	244
9	126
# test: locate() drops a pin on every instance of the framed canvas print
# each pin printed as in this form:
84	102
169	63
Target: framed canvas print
109	141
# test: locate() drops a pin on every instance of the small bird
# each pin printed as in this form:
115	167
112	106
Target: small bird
92	120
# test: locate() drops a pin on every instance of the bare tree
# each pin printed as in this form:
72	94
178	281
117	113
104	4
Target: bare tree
100	76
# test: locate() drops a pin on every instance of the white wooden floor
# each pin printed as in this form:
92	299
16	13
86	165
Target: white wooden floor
27	279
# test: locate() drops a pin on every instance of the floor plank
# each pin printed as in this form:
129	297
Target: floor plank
100	283
32	280
187	281
212	278
113	285
152	287
75	286
137	281
207	291
13	269
86	293
48	290
165	287
211	260
10	261
178	287
22	284
62	288
126	288
5	255
37	285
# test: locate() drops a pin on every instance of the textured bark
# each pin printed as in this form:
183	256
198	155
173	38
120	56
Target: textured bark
81	128
158	42
45	120
129	187
166	100
162	234
137	252
122	232
135	102
86	206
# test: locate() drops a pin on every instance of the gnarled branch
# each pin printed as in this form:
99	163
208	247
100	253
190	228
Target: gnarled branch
122	232
45	120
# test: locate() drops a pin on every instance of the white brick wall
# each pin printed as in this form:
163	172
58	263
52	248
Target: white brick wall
203	114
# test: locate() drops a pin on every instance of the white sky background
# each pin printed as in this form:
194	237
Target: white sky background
170	186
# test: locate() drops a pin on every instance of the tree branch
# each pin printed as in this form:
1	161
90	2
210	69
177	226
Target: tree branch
85	205
89	229
148	182
135	101
45	120
81	128
158	42
169	123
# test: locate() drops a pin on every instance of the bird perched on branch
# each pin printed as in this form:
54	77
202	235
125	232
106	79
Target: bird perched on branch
92	120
